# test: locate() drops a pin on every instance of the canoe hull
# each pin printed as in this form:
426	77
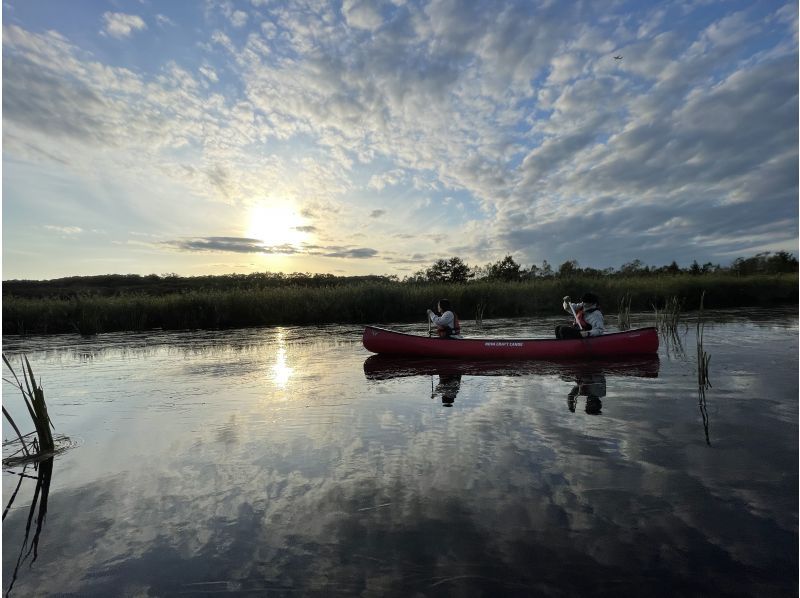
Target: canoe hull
641	341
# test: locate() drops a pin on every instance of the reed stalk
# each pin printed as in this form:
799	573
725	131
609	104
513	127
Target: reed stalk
480	307
668	318
624	312
704	413
703	358
33	396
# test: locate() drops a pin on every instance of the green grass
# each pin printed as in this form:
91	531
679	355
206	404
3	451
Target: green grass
378	302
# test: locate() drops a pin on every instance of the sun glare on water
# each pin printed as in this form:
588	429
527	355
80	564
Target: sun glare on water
276	224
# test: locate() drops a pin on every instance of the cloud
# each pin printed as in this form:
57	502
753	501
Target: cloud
238	18
352	253
66	230
221	244
120	25
209	73
248	245
163	21
517	114
362	14
386	179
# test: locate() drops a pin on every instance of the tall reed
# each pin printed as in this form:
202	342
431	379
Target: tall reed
480	308
703	358
624	312
33	396
704	413
668	318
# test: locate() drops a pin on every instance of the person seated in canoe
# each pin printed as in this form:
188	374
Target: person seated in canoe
447	324
588	318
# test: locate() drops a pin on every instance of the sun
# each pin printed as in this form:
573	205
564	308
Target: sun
276	223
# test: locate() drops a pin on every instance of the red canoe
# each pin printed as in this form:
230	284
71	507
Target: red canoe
641	341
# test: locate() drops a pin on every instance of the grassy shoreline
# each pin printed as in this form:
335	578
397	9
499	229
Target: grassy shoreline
377	302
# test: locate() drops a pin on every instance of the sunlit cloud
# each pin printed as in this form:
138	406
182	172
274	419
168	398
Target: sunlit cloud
119	25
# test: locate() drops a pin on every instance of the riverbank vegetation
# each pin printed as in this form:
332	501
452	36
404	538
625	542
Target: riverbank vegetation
129	302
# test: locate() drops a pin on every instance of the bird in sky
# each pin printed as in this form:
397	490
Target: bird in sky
618	57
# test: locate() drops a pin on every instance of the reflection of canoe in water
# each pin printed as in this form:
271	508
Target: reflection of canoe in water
383	367
641	341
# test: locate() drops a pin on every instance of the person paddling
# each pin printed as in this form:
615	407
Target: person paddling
447	324
588	318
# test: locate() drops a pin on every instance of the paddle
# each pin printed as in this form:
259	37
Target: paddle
574	315
429	320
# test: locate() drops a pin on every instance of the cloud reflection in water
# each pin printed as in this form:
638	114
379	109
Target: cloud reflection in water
370	487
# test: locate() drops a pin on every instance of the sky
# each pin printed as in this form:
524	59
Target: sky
374	137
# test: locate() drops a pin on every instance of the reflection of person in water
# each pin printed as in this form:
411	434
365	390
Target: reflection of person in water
448	387
591	386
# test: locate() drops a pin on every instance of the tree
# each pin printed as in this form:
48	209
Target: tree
452	270
593	272
708	268
506	269
568	269
634	268
546	269
783	261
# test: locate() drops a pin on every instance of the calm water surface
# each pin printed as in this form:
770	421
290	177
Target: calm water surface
286	462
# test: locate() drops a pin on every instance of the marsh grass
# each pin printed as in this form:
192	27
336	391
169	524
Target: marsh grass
624	312
33	397
668	318
373	302
667	321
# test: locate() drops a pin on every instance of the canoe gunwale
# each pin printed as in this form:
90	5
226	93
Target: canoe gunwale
510	338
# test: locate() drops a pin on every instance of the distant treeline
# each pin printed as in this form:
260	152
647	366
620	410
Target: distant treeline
378	301
112	285
453	270
456	270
